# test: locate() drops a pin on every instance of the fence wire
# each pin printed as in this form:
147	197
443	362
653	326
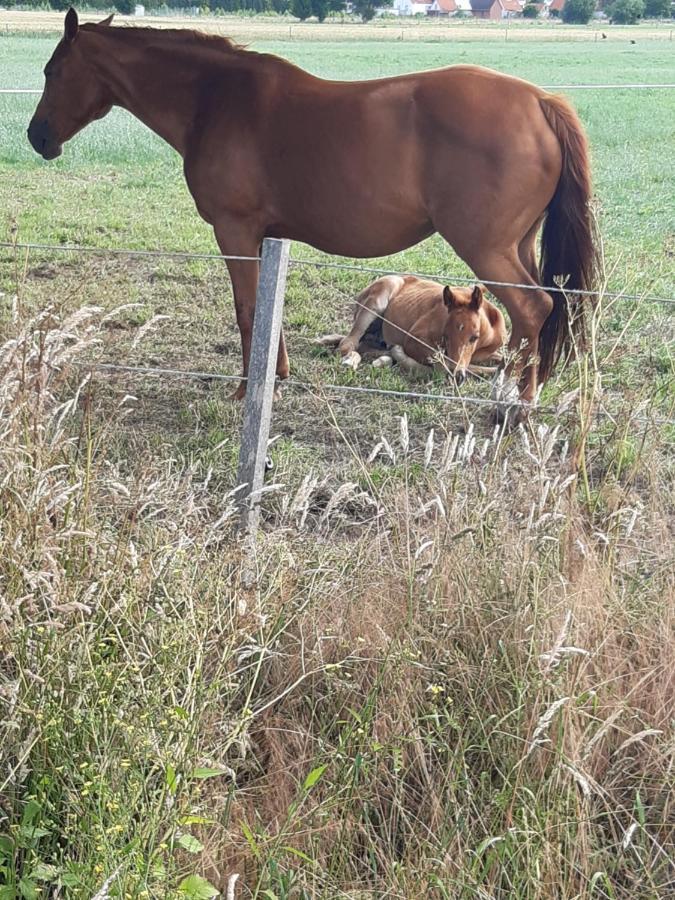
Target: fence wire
461	399
346	267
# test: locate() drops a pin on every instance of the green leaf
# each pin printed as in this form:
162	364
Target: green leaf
171	779
27	889
210	773
44	872
197	888
31	811
601	877
299	853
196	820
313	777
248	834
640	809
29	834
269	894
190	843
6	845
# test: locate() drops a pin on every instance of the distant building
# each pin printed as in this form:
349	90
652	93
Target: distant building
480	9
496	9
410	7
442	8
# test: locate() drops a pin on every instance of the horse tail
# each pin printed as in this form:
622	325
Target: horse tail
568	244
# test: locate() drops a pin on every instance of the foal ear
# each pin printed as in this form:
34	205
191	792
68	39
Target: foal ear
71	25
448	297
476	297
107	21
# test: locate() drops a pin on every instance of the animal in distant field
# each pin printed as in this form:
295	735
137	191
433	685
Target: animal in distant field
423	324
354	168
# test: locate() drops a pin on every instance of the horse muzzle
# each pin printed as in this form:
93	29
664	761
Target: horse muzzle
42	140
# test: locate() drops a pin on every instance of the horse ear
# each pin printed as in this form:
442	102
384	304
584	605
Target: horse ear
107	21
448	297
476	297
71	25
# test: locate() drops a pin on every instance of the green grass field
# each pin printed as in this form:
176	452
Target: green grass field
453	675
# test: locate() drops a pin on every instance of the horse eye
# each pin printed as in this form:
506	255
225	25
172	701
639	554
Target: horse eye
473	338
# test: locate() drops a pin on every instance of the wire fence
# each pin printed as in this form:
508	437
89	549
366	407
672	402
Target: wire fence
459	399
320	264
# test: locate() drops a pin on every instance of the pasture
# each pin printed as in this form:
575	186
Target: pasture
454	675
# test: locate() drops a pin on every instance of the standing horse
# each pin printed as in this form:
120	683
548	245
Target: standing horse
353	168
423	324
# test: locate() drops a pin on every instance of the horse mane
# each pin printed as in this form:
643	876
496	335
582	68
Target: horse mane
183	36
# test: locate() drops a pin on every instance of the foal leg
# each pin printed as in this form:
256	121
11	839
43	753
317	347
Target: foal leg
371	304
408	363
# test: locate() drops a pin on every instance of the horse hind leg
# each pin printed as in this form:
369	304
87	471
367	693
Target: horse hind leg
527	251
528	308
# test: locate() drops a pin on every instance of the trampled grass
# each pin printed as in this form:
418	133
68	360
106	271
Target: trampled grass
454	676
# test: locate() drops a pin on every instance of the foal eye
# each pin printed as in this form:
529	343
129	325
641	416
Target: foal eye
473	338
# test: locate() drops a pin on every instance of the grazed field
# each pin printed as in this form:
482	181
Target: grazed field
454	676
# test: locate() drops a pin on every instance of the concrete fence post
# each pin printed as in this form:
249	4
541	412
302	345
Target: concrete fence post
261	379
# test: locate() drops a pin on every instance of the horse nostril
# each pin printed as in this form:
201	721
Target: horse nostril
460	376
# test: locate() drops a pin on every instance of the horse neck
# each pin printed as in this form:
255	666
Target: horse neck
155	79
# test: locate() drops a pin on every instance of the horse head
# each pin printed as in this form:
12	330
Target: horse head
73	94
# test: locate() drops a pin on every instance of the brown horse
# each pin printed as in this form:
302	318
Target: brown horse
353	168
423	324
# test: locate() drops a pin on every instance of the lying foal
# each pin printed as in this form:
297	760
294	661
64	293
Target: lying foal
424	325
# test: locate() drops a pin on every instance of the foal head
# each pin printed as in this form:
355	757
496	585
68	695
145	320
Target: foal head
463	326
72	97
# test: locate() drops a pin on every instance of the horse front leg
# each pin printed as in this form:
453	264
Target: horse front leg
244	274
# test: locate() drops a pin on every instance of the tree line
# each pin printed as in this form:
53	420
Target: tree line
623	12
300	9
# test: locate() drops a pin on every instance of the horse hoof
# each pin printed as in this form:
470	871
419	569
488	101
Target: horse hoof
351	359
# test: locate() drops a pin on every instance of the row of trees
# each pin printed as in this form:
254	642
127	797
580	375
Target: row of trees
301	9
623	12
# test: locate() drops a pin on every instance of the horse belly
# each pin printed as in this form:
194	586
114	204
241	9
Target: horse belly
352	183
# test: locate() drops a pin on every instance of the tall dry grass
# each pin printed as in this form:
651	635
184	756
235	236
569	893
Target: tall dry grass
456	685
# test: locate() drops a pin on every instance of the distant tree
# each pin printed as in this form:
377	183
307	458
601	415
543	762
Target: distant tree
367	8
281	6
530	11
627	12
319	9
364	8
658	9
578	12
126	7
301	9
60	4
